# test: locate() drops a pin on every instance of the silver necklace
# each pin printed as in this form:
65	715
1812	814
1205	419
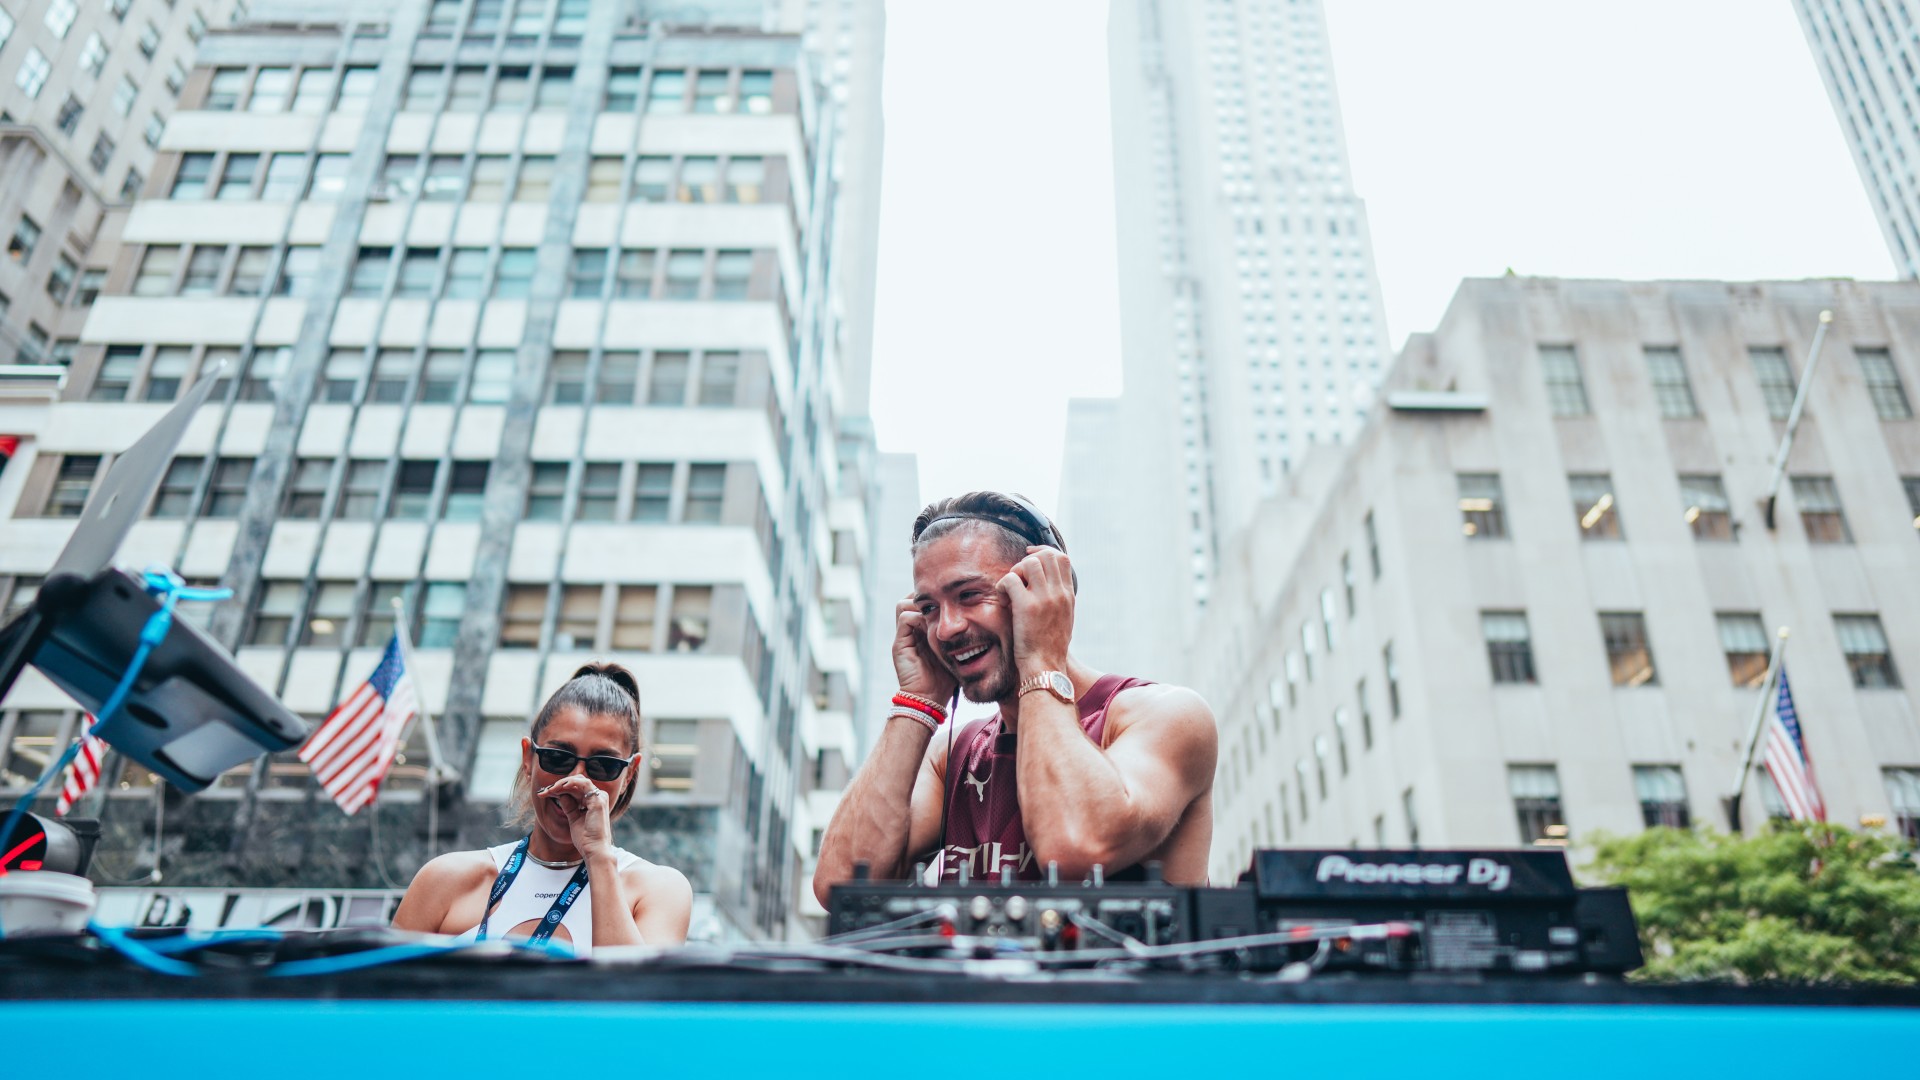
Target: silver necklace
554	864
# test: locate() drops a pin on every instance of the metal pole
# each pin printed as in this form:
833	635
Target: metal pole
1753	732
437	768
1793	415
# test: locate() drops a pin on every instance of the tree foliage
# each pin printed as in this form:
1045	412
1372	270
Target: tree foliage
1802	903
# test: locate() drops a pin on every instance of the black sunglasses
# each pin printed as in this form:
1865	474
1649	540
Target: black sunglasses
598	767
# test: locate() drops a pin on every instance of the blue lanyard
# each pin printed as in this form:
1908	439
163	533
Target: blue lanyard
555	913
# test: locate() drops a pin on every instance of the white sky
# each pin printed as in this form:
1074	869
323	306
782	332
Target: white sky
1608	138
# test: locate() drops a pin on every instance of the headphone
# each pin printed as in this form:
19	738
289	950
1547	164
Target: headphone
1027	522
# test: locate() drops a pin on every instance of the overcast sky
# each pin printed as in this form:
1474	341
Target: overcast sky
1611	138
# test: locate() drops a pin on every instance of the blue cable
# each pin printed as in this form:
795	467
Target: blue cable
138	952
168	586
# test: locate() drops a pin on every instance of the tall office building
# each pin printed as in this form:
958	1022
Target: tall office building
85	91
1865	52
529	317
1536	598
1251	323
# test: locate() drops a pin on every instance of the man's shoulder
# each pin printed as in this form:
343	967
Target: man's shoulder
1157	703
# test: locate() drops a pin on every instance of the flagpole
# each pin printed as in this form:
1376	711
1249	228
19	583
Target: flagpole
1793	417
1732	800
437	768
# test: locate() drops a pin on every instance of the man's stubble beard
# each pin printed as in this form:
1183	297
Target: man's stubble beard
996	686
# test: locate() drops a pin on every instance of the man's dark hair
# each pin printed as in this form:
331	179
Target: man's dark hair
1012	521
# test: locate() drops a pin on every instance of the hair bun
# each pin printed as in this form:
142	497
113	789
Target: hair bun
614	673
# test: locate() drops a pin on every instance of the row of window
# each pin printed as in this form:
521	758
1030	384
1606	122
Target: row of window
622	618
523	21
1704	506
1743	638
482	178
1567	390
1662	791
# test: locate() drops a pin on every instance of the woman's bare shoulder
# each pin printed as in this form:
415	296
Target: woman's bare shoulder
657	882
457	870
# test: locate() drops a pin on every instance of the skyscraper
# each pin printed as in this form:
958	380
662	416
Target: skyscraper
529	312
1865	55
1251	327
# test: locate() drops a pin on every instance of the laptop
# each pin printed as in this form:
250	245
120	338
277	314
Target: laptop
192	713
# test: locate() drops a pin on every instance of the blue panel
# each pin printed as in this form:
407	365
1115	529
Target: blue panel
341	1040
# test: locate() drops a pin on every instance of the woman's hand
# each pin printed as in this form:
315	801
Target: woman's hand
588	811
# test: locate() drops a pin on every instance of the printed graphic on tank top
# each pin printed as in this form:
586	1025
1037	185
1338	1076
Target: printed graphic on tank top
983	828
532	895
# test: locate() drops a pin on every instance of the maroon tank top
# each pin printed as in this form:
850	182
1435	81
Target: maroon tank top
983	829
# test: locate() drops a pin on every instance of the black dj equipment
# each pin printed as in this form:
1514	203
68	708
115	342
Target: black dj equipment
1513	912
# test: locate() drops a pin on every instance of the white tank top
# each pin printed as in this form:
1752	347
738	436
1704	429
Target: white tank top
531	896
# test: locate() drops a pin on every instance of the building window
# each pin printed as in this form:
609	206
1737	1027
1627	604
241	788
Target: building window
1776	380
250	270
1912	486
1883	384
68	119
732	275
392	373
653	492
307	488
746	179
203	271
599	491
668	383
1820	513
1346	582
492	381
1708	513
156	127
167	373
699	180
514	281
466	491
553	89
1670	386
1509	646
1864	644
312	92
469	92
466	274
675	746
424	86
719	379
687	626
413	491
228	490
623	89
1744	639
124	95
369	276
547	491
1536	804
756	92
1566	393
1483	514
668	92
567	378
1393	680
93	55
536	180
440	377
512	88
652	179
92	282
1629	655
633	276
1903	798
579	622
326	625
525	607
102	153
440	613
1320	763
619	378
1340	724
274	612
419	267
1593	506
706	494
26	237
377	619
685	269
633	618
1663	796
1373	545
340	381
34	69
586	273
603	179
174	499
265	373
149	40
72	484
60	278
131	184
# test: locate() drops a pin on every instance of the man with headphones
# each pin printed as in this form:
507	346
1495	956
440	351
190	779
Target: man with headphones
1077	770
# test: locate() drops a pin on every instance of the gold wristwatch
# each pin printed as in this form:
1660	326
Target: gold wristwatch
1053	682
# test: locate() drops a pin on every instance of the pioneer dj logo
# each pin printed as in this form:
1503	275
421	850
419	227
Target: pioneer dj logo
1496	876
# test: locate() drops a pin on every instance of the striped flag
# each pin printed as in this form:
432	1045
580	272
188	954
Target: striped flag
83	772
1787	760
353	748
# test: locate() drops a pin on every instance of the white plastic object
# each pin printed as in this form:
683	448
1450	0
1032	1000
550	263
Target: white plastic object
40	902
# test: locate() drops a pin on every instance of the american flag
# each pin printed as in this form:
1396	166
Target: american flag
352	750
83	772
1787	760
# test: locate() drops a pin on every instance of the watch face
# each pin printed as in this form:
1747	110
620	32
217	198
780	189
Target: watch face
1061	686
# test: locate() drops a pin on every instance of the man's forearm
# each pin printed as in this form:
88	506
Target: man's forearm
1074	805
874	821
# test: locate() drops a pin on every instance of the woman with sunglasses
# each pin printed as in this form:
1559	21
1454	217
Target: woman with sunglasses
564	881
